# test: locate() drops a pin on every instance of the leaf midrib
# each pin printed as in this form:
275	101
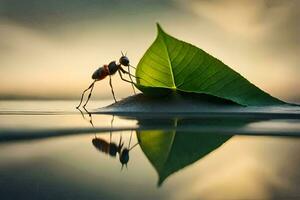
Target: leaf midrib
171	144
169	61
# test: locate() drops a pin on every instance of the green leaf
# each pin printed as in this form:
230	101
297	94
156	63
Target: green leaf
170	151
173	65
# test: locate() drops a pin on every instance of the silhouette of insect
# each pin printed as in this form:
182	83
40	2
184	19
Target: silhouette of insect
109	70
112	149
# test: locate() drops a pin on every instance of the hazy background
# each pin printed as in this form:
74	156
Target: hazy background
49	49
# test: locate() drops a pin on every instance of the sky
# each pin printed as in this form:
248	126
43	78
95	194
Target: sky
49	49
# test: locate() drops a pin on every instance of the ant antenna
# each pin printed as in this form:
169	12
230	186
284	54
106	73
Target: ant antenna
129	148
134	146
123	53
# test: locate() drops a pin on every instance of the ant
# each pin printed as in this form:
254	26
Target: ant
109	70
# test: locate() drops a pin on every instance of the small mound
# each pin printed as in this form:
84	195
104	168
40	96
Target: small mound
177	103
171	104
194	104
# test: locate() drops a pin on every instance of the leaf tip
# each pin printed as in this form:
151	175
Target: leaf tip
160	182
159	29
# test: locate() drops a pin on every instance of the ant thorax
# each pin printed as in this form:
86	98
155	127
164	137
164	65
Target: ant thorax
113	67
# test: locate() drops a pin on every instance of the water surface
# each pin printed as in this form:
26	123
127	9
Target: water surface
49	150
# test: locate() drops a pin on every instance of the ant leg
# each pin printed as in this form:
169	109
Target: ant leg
90	94
132	85
121	143
130	139
83	94
111	125
81	113
112	89
91	117
124	78
126	72
132	66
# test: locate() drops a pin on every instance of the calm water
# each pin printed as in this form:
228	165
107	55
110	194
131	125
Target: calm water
49	150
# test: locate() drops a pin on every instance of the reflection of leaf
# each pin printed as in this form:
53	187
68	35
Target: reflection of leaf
170	151
170	64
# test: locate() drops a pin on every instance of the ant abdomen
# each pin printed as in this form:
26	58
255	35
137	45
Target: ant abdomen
101	145
100	73
105	147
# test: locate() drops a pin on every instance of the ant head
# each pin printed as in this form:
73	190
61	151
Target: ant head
124	156
124	60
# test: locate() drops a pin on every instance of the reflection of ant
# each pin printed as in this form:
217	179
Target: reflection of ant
111	148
